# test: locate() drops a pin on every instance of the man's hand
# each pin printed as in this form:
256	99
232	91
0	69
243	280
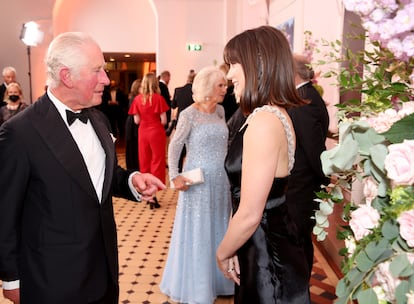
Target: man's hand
147	185
13	295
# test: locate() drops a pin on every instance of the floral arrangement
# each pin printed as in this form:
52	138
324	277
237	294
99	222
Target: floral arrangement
375	150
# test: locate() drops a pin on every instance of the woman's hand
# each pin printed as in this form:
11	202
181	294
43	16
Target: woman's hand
181	183
230	268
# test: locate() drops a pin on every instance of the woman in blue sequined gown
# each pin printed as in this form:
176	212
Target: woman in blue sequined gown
203	210
262	251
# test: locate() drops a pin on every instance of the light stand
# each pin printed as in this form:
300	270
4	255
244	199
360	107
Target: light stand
31	36
30	74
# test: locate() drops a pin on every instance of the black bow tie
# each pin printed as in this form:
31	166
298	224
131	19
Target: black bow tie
71	117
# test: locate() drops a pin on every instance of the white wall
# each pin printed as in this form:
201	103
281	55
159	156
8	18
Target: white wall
12	51
117	25
326	23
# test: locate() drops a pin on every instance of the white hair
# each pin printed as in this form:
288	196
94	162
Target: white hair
203	85
9	69
66	50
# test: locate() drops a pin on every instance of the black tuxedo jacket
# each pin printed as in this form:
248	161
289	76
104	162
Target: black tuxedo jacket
311	124
183	97
2	92
166	94
55	236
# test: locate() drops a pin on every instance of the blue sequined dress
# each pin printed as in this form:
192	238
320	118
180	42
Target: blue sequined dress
191	274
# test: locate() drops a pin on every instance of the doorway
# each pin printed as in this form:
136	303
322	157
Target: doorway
124	68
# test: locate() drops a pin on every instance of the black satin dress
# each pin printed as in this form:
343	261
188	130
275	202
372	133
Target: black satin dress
273	265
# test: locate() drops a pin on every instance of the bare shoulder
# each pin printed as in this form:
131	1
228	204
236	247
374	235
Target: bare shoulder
266	120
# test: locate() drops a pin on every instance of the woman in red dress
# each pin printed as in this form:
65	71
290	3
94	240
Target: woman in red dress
149	109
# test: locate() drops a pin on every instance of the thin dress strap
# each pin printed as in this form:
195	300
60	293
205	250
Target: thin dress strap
286	125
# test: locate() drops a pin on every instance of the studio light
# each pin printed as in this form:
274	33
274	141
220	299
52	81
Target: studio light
31	35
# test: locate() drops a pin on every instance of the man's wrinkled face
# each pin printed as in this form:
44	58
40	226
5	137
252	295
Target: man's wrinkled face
9	77
91	79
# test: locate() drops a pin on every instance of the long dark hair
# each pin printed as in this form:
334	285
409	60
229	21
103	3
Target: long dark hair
267	61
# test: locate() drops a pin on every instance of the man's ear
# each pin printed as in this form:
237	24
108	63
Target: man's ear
66	77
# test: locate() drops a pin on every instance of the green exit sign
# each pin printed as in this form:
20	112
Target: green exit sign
194	46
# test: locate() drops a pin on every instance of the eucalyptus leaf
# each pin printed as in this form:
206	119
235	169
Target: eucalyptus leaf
378	153
354	277
326	208
345	157
363	262
398	265
367	296
390	230
317	230
320	218
366	137
375	250
383	187
337	193
400	130
341	288
342	300
321	236
401	292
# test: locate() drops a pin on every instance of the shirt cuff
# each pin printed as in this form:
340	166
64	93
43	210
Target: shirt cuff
134	191
11	285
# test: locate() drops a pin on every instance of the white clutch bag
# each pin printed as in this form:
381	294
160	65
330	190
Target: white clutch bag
196	176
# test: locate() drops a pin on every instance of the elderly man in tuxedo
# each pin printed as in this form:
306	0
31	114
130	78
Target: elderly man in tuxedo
57	230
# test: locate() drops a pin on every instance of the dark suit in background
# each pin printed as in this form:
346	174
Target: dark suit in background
115	108
229	102
163	83
2	92
183	97
311	126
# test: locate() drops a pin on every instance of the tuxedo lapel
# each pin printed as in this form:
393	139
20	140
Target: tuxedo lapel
108	145
58	138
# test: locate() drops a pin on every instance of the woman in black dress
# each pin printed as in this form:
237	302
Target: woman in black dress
131	132
262	251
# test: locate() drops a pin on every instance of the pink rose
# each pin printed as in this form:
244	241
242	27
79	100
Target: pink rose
384	120
370	190
387	281
399	163
407	107
406	221
363	220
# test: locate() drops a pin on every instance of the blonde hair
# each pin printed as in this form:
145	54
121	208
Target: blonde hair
15	85
203	85
149	86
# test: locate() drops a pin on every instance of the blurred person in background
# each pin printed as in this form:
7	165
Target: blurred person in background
131	131
14	102
311	123
149	110
9	76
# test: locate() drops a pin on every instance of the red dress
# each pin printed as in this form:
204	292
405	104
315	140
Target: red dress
151	134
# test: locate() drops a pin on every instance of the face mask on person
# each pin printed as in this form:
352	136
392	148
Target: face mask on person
14	98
